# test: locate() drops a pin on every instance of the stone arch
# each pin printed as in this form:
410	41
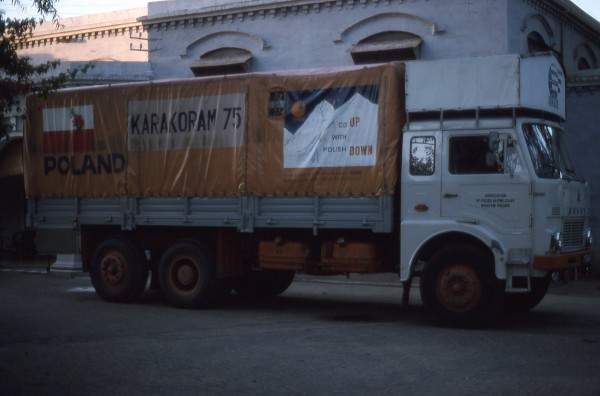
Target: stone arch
225	39
389	21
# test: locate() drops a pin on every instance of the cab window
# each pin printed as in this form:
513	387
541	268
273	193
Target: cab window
472	155
422	156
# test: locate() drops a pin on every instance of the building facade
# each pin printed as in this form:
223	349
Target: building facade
187	38
300	34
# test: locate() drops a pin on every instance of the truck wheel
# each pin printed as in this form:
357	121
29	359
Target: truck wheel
264	283
517	303
117	271
186	275
458	285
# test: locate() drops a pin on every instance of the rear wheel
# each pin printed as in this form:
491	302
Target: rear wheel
264	283
522	302
117	270
186	275
458	286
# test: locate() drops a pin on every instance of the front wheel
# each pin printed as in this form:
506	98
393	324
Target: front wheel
458	286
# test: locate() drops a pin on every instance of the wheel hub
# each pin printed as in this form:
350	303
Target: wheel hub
458	288
185	275
113	270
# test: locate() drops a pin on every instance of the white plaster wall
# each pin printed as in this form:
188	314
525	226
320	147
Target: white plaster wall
322	36
107	48
103	37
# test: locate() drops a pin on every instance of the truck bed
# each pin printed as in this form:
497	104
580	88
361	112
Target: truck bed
243	213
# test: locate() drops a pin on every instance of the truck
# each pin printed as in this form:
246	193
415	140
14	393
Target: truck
455	172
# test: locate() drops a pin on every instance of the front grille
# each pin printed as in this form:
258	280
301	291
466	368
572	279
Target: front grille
572	234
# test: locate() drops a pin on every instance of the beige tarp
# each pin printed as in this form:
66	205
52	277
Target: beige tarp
190	138
75	144
320	132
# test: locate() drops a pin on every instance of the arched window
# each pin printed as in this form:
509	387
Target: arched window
536	43
226	60
386	47
538	35
583	64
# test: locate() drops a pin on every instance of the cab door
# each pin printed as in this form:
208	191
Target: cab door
420	193
484	181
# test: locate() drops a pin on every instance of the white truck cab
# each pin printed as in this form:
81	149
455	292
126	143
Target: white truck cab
487	178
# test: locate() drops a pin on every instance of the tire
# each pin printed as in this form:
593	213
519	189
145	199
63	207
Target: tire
459	287
264	283
117	270
186	275
518	303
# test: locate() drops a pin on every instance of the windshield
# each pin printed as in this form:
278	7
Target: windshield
548	149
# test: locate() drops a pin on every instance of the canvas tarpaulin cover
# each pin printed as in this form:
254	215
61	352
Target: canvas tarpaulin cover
327	133
333	132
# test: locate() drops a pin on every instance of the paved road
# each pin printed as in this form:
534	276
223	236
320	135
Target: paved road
58	337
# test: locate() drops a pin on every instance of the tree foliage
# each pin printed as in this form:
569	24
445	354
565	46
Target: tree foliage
18	74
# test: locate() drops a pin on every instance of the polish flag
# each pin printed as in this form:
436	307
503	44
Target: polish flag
68	129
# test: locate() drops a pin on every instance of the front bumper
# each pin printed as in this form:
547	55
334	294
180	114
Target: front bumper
562	261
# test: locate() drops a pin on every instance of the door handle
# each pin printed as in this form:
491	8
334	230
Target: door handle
447	195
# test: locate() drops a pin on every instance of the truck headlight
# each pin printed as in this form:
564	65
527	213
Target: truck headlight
556	243
588	240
